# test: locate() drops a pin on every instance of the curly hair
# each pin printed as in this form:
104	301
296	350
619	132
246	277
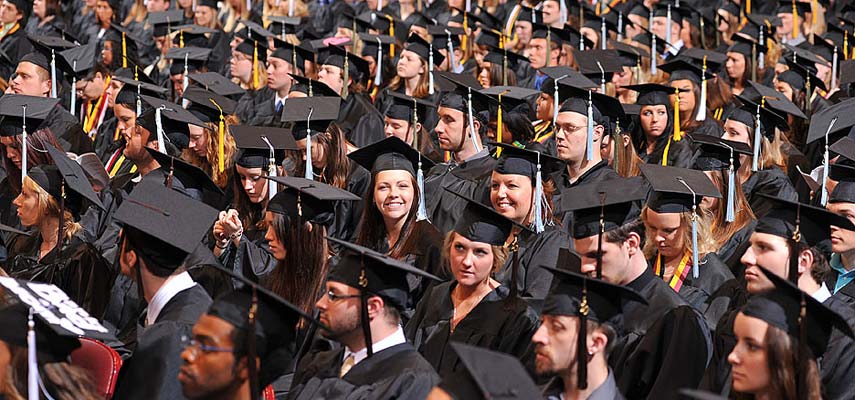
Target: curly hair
208	164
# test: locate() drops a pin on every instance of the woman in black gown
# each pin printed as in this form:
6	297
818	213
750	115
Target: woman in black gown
657	139
473	308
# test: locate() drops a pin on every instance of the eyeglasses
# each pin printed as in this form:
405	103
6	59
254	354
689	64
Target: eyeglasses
336	297
194	346
571	128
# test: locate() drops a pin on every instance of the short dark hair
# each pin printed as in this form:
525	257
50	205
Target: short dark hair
609	331
622	233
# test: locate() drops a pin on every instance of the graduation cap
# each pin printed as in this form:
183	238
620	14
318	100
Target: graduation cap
310	116
829	124
17	110
673	13
76	62
71	176
407	108
553	36
196	182
481	223
466	98
844	174
448	37
762	120
535	165
490	37
505	58
296	54
49	46
656	94
312	87
163	21
717	154
374	274
799	314
262	147
165	120
214	82
681	69
427	52
257	52
508	98
602	208
630	56
576	295
796	8
253	31
354	67
799	222
393	153
124	38
678	190
808	80
775	100
419	19
282	25
191	35
488	374
592	105
566	79
307	200
211	107
186	60
602	23
529	14
803	57
486	19
377	45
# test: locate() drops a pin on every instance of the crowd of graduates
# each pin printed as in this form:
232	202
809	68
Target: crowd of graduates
411	199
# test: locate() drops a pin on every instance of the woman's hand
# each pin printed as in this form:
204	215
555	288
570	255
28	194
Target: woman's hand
232	227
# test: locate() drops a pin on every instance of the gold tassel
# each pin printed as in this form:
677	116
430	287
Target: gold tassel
678	134
255	83
747	7
845	44
221	145
124	51
463	40
499	126
795	20
347	75
392	34
181	39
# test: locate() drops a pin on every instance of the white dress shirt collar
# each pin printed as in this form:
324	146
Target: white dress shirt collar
173	285
389	341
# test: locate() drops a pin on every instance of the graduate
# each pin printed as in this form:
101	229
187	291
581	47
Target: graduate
841	201
659	137
13	35
365	291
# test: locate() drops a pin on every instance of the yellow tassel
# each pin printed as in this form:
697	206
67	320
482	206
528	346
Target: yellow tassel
463	40
795	20
499	126
678	134
124	51
181	39
845	44
344	85
813	11
747	7
255	83
221	145
392	34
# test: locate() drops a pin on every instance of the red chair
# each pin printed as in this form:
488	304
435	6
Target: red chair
102	363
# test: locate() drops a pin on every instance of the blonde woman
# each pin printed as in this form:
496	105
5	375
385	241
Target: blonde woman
203	149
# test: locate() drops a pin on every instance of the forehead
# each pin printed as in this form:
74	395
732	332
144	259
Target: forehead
449	112
768	239
340	287
842	208
656	107
213	327
393	175
566	117
664	220
746	326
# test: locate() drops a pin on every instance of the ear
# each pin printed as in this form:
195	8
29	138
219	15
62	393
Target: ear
633	242
625	139
418	126
597	341
598	133
375	306
805	261
46	85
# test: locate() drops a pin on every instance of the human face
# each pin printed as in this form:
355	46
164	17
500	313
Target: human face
163	44
471	262
241	66
125	119
157	5
203	374
735	65
523	30
198	141
332	76
136	139
397	127
484	74
784	88
178	84
748	360
274	242
318	152
103	12
616	258
10	13
409	65
393	194
341	315
555	344
842	240
39	8
511	196
660	27
112	90
770	252
450	131
91	89
633	29
736	131
28	81
571	136
686	95
536	51
204	16
107	53
27	204
723	26
551	12
653	119
13	149
277	74
786	27
622	78
544	107
252	183
666	231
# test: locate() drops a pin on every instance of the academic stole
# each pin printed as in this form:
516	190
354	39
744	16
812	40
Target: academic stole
93	114
680	273
543	131
11	30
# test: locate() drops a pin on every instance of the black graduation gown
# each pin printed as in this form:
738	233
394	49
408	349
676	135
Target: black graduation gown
15	46
495	323
349	213
600	172
545	135
846	293
152	371
733	249
771	181
8	215
468	178
535	250
79	270
712	274
104	143
666	345
64	126
838	361
734	296
398	372
426	254
361	122
251	257
709	126
679	153
249	105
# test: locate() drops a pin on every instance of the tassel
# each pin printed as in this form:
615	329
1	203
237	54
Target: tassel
754	57
668	24
272	187
581	42
678	133
499	126
539	199
556	103
24	163
472	133
620	27
452	63
392	34
695	272
845	44
221	136
562	12
53	81
757	143
290	8
761	61
430	70
747	7
834	69
582	339
505	67
793	274
589	151
379	5
660	264
617	145
309	172
255	83
795	21
600	234
248	6
139	101
824	197
186	81
702	104
730	213
344	87
33	392
602	78
464	41
73	86
181	39
653	54
603	31
421	215
703	36
124	51
548	46
158	122
193	6
379	65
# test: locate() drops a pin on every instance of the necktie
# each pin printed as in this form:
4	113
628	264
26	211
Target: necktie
347	365
278	106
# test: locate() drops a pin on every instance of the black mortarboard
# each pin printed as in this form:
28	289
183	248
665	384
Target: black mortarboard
310	113
12	111
403	107
442	34
481	223
769	119
308	200
38	59
253	31
253	48
511	96
845	147
803	57
214	82
748	47
676	190
717	154
844	174
72	178
281	25
797	313
417	45
128	43
715	60
50	47
419	19
197	183
466	98
357	68
669	10
192	58
207	105
529	14
488	374
487	19
567	78
630	56
812	224
517	161
774	99
793	7
261	145
681	69
391	153
192	35
489	37
175	118
77	61
651	94
162	22
806	76
295	54
616	202
498	56
557	35
312	87
128	94
829	124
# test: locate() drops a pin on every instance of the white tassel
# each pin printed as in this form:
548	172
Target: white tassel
158	122
430	69
139	101
420	181
695	272
667	24
702	104
757	143
730	212
248	6
53	82
653	54
562	13
452	63
310	174
32	360
834	69
602	78
74	88
556	103
193	7
290	8
581	41
620	27
24	146
468	6
186	81
379	5
472	134
378	65
538	199
761	62
602	31
824	197
272	187
589	151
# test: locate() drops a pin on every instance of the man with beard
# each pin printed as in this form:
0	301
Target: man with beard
365	292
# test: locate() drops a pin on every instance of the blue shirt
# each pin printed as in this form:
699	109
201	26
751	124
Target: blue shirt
538	80
843	276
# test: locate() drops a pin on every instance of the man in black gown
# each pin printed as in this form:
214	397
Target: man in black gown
160	228
375	361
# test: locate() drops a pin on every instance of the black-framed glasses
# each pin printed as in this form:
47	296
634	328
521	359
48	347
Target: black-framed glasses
336	297
195	346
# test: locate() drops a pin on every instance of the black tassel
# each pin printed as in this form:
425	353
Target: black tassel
600	236
661	262
582	341
251	351
363	315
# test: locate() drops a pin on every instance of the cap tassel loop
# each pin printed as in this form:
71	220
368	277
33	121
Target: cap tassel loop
695	271
430	71
757	142
255	80
703	36
668	23
472	134
221	136
678	133
834	69
251	350
378	80
24	163
582	340
32	359
53	82
730	212
653	54
600	234
158	121
73	95
589	150
539	199
702	103
310	174
124	50
823	200
602	78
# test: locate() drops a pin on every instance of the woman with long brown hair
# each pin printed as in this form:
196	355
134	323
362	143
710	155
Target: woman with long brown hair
413	75
689	78
204	149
